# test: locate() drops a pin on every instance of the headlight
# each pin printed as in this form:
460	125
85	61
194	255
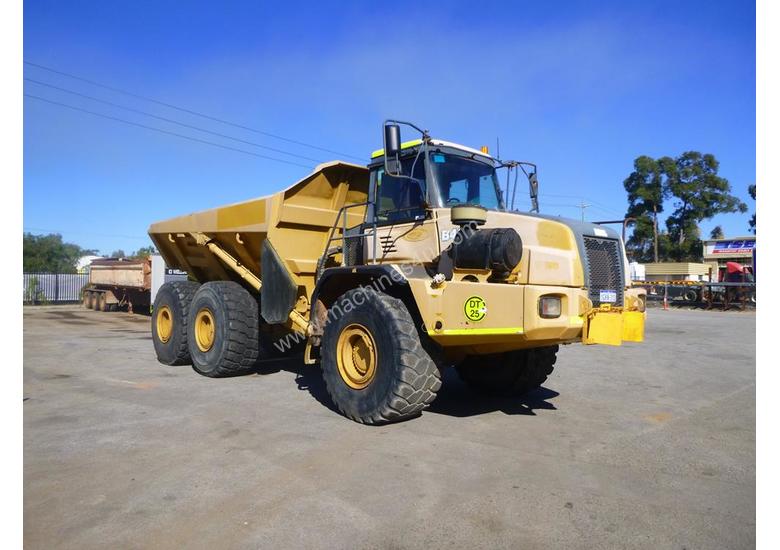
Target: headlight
549	307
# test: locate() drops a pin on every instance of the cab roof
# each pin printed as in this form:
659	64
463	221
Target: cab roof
415	142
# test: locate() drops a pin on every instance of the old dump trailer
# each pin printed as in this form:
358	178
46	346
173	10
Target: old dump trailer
118	283
388	273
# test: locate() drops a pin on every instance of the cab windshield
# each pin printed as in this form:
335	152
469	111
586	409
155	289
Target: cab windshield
444	179
463	180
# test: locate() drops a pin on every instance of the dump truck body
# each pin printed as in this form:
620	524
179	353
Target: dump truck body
296	222
506	284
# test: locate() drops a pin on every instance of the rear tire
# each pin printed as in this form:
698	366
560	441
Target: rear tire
169	322
375	367
223	330
511	373
88	297
96	300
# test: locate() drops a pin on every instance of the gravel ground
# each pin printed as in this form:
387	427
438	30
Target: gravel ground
643	446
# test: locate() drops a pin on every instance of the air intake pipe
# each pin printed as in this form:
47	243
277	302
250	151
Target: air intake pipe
499	250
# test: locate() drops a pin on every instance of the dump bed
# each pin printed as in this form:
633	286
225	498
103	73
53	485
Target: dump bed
121	273
295	221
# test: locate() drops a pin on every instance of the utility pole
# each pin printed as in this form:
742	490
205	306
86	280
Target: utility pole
655	233
583	206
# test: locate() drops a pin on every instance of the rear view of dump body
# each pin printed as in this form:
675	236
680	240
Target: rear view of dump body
116	283
389	278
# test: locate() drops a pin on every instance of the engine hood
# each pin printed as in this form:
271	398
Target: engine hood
558	251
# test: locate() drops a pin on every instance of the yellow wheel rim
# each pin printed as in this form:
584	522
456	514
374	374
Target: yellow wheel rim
356	356
204	329
164	324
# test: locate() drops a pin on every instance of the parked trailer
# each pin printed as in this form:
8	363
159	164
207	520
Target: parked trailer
704	292
119	283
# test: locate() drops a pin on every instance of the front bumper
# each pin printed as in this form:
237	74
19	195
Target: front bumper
614	325
510	318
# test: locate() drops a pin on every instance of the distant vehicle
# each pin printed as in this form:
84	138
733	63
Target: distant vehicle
116	283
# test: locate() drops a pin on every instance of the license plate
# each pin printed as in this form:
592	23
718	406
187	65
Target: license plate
607	296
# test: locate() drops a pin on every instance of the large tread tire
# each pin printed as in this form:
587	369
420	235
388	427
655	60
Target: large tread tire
88	297
177	296
237	341
511	373
407	376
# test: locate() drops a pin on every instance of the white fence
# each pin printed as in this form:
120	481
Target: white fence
40	288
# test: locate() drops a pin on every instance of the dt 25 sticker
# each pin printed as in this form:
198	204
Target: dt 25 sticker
475	308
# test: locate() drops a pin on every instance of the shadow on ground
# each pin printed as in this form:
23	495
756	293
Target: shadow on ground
454	398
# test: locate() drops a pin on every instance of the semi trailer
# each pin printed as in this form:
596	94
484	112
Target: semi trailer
388	273
117	283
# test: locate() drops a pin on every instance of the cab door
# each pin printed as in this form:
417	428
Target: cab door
406	231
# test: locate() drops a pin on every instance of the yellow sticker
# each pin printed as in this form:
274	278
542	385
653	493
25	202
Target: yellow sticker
475	308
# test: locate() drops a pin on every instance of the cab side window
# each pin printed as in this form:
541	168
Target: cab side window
400	199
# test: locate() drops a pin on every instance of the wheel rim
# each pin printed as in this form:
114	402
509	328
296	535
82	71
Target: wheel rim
164	324
204	329
356	356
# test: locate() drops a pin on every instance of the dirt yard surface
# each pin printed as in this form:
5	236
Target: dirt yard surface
643	446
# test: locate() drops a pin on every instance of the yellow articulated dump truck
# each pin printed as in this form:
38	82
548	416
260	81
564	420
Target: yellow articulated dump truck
388	273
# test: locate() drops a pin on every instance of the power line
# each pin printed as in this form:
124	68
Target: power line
189	111
160	130
93	234
604	208
145	113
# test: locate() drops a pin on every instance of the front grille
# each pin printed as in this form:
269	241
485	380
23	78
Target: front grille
604	268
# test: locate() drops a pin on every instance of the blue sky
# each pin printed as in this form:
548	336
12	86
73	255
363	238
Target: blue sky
579	88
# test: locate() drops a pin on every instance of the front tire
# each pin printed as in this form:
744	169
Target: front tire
169	322
224	330
511	373
375	367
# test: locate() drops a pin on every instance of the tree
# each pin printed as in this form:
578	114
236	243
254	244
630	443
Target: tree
48	254
717	232
752	222
118	254
699	194
646	193
143	252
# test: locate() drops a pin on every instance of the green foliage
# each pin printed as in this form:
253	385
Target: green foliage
646	193
48	254
699	194
717	233
691	180
752	222
143	252
118	254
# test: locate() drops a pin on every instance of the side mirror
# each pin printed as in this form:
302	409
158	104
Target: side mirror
533	188
392	139
534	185
392	149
